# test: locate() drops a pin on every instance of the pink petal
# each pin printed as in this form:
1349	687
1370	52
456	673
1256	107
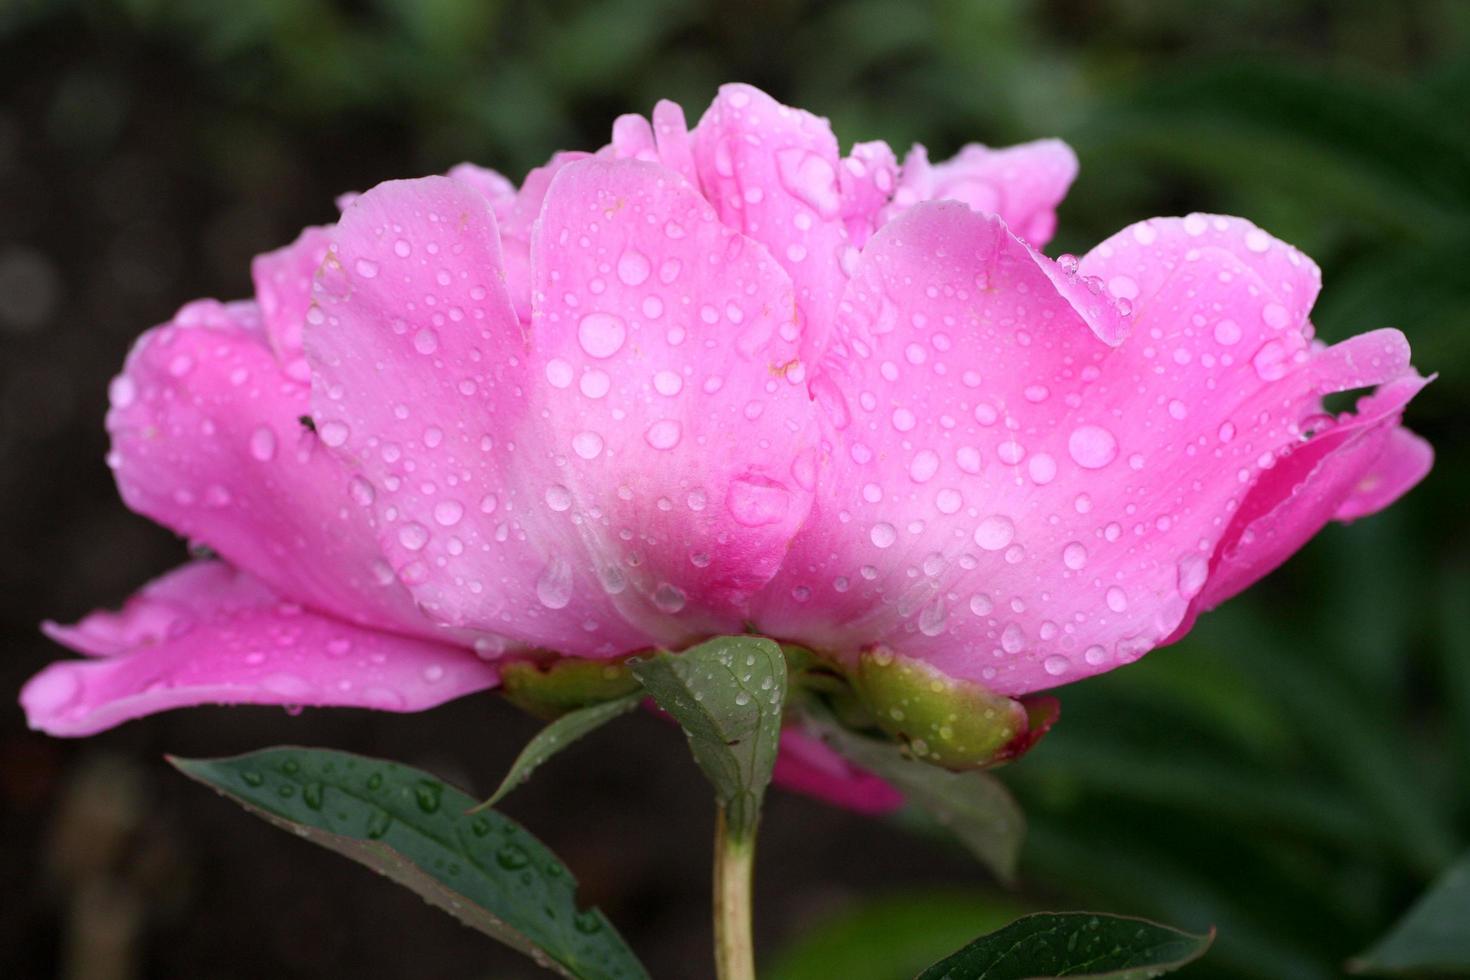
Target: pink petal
1311	484
516	226
632	139
772	173
1023	184
206	439
496	188
867	178
676	438
283	291
421	386
959	353
806	765
1406	459
1019	493
675	147
208	634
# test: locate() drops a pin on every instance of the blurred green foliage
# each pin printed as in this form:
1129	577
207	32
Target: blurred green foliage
1295	771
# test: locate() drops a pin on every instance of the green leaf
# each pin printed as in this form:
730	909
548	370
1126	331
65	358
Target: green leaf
1433	937
556	736
975	806
894	935
728	694
1073	944
486	870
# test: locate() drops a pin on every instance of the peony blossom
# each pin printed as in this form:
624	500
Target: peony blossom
711	380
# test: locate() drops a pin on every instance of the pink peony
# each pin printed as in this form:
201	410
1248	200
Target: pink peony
707	380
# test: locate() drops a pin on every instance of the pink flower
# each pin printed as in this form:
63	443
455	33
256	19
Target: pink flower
704	379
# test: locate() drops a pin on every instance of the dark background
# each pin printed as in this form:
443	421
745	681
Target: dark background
1294	773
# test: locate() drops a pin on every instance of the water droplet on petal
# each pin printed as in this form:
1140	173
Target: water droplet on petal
554	584
263	444
601	334
663	434
1092	447
668	598
634	267
448	512
587	445
995	532
756	501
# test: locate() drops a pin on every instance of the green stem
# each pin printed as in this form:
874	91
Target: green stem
734	859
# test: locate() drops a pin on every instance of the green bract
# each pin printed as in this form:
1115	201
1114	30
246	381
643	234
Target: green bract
951	723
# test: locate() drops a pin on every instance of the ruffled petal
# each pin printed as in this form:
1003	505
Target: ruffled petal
1020	491
209	634
1314	482
1023	184
676	439
207	439
1406	459
496	188
420	386
283	292
771	172
959	354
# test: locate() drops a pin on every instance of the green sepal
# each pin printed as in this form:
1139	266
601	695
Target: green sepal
952	723
551	689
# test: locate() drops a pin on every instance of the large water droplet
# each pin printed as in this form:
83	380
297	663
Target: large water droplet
634	267
263	443
663	434
669	598
601	334
1092	447
756	501
995	532
554	584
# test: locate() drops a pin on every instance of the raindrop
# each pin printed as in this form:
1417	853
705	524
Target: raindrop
554	585
663	434
1092	447
601	334
995	532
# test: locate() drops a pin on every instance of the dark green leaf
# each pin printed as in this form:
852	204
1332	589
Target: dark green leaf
485	870
894	935
728	693
1433	937
556	736
1073	944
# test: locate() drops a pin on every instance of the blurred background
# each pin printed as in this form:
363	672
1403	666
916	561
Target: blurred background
1294	773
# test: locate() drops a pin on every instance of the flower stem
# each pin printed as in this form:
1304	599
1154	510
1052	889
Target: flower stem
734	859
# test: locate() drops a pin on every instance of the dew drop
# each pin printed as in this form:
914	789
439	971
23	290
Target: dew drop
663	434
554	584
263	444
1092	447
601	334
634	268
995	532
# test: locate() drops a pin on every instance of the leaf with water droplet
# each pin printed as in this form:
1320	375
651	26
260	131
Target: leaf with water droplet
485	870
974	806
1073	944
728	694
557	736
